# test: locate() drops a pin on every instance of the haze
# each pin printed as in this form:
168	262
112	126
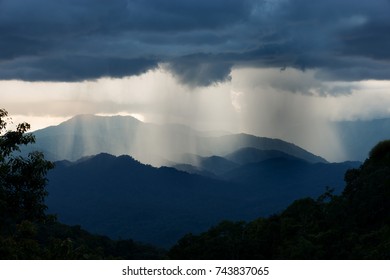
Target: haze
284	69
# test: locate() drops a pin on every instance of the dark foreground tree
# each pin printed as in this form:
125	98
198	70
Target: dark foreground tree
22	179
22	191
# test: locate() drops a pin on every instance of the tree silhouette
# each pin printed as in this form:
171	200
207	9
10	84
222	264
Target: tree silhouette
22	179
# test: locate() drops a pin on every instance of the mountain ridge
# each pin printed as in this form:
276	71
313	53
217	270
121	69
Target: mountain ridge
86	135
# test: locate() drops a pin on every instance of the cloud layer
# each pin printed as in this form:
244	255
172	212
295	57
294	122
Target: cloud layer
200	42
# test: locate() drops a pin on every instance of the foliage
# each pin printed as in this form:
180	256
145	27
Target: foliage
353	225
22	180
381	150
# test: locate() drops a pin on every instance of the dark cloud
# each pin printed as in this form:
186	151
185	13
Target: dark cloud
73	68
369	40
202	40
200	70
177	15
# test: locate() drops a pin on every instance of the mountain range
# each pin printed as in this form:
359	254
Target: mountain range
87	135
167	144
104	179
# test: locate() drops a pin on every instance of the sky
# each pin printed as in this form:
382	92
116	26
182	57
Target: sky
277	68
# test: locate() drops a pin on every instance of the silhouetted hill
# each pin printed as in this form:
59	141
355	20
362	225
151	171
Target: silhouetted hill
214	165
87	135
193	170
120	197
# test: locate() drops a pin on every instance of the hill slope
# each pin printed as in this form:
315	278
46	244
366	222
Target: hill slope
120	197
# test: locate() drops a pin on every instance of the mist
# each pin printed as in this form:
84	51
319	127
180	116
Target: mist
292	105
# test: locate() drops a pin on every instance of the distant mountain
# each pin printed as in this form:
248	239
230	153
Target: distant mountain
253	155
358	137
120	197
227	144
87	135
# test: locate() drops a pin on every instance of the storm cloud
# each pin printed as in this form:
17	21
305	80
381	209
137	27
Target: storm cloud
199	42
